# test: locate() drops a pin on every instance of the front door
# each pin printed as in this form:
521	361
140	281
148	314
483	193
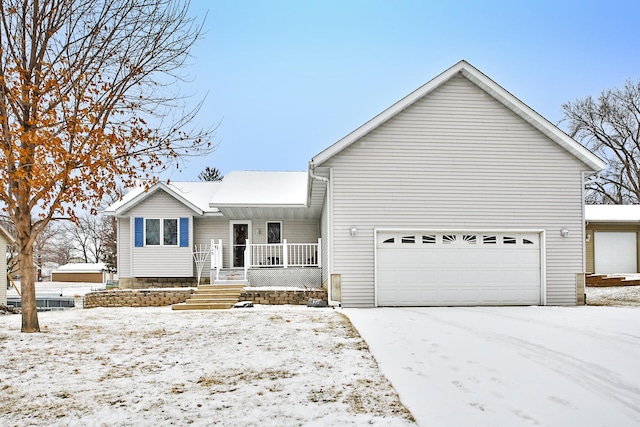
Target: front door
240	232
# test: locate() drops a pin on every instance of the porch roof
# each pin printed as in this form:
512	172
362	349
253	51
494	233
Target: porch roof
259	188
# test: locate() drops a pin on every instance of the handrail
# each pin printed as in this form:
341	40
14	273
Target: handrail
285	254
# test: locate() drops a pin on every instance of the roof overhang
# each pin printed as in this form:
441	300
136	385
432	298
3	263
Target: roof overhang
159	186
490	87
620	214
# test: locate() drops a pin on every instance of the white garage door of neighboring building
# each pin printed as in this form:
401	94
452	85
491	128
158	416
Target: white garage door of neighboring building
615	252
458	268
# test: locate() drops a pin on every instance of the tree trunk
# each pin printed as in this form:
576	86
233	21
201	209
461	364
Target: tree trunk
28	287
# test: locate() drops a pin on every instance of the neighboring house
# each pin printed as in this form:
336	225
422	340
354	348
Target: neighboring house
5	239
458	194
612	238
80	272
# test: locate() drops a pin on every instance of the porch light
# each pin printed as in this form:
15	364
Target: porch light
564	232
354	231
257	231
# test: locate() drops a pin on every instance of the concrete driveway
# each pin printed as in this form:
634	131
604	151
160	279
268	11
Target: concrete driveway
510	366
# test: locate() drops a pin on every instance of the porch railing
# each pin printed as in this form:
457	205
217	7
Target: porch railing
285	254
271	255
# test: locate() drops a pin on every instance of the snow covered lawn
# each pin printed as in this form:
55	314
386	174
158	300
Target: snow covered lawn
266	366
510	366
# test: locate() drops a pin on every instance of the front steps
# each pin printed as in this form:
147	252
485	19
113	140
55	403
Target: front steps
212	297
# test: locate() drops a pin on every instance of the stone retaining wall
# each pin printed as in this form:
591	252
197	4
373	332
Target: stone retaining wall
283	297
160	282
136	298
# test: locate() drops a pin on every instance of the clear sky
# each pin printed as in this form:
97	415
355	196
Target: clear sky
286	79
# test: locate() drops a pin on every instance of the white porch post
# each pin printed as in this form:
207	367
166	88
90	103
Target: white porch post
285	253
247	257
319	254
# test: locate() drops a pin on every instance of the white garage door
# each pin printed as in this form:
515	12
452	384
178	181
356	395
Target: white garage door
615	252
453	268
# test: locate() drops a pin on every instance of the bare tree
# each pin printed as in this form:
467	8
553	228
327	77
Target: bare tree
88	100
85	236
610	127
109	242
46	247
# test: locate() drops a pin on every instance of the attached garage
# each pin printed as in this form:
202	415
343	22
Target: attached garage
458	268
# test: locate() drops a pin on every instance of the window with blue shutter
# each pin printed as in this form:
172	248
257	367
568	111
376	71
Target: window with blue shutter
138	225
184	232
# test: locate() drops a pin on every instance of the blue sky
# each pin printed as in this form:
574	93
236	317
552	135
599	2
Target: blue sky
286	79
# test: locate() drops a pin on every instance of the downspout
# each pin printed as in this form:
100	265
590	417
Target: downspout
329	239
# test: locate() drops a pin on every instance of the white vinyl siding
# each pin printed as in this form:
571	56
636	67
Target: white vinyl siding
324	229
125	243
455	159
161	261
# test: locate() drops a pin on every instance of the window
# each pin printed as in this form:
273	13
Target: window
429	239
152	232
448	239
489	240
161	232
390	240
170	232
509	240
527	242
274	232
469	239
408	239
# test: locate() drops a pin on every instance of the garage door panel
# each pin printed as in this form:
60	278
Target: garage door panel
615	252
459	269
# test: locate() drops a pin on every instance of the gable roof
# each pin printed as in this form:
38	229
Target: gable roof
490	87
262	188
612	213
195	195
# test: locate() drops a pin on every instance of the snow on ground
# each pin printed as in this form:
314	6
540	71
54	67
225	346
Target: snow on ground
614	296
265	366
509	366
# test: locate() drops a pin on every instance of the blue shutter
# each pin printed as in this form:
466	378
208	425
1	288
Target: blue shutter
184	232
138	224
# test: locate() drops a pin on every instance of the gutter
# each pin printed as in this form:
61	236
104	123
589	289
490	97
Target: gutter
326	245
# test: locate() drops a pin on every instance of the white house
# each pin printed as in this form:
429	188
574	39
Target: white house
458	194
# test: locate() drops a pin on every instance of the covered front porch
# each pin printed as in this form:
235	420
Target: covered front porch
291	265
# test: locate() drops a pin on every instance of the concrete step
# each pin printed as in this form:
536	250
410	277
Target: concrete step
213	298
202	306
237	289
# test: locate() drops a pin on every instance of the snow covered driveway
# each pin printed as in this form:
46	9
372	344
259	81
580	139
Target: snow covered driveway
508	366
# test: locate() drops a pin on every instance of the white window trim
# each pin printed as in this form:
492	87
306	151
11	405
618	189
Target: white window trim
161	230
